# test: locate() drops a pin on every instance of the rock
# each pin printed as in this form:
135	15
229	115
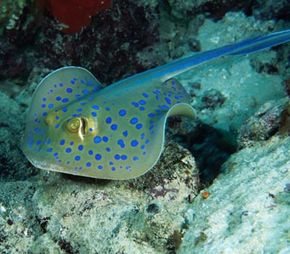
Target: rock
13	162
248	207
265	123
80	215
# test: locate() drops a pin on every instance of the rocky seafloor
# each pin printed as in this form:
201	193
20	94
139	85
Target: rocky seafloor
222	184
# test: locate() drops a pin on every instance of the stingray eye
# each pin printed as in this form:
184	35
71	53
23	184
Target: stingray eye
73	125
78	125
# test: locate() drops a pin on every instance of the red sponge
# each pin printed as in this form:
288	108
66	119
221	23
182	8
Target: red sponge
76	13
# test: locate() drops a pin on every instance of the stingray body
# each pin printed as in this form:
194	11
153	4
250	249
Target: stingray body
77	127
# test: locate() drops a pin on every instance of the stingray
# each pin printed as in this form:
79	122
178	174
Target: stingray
76	126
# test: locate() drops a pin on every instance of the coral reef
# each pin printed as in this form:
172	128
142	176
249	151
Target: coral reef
237	149
113	38
11	12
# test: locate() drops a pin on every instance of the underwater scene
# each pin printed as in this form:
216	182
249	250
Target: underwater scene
143	127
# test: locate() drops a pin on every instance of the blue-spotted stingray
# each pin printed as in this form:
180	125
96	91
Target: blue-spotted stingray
76	126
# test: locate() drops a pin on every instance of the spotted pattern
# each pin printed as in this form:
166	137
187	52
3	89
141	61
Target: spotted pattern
119	136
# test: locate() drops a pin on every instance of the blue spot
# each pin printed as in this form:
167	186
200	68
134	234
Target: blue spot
145	95
108	149
158	111
135	104
139	126
62	142
57	126
50	105
72	81
100	167
79	110
85	91
96	107
151	115
36	130
122	112
43	99
64	100
125	133
98	157
113	168
108	120
68	150
38	142
142	108
107	108
44	114
71	143
134	120
49	150
94	114
134	142
60	84
58	98
142	135
142	102
69	90
111	163
64	110
135	158
177	97
163	107
124	157
91	152
77	158
43	105
121	143
97	139
90	129
143	147
81	147
114	127
55	154
168	101
156	91
105	139
117	157
88	164
56	117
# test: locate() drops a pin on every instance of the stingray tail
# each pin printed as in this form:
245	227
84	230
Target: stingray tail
247	46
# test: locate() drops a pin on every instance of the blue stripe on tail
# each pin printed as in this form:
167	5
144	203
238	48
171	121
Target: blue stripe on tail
178	66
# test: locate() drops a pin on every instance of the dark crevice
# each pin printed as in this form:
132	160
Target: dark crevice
210	148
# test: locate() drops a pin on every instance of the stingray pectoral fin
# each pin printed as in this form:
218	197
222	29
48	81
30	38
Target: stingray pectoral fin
155	147
50	101
181	109
62	87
